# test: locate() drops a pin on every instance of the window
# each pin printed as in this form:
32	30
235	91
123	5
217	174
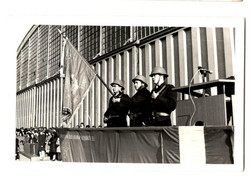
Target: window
55	50
142	31
72	33
89	41
114	37
18	70
42	52
33	58
24	65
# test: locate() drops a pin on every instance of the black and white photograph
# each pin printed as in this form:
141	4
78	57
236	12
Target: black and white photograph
126	94
132	96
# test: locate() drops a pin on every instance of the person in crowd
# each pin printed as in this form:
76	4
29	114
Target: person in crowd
22	131
119	105
163	98
36	132
17	149
41	143
27	137
58	150
33	139
47	139
20	138
53	145
140	110
21	145
81	125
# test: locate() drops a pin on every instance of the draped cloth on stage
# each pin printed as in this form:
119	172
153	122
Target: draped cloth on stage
78	78
211	145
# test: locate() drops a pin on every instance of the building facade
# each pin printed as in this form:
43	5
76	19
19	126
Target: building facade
115	52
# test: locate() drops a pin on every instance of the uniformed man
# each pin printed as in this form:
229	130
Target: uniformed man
140	112
119	105
163	98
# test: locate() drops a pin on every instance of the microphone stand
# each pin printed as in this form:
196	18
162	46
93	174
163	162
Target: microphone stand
204	73
204	80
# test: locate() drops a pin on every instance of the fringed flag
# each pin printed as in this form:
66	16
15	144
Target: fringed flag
78	78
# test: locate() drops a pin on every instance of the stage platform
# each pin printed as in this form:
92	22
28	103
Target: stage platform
176	144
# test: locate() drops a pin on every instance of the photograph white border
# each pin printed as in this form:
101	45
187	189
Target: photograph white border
134	174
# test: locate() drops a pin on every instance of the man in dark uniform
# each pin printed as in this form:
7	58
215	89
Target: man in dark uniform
140	112
163	98
41	143
119	105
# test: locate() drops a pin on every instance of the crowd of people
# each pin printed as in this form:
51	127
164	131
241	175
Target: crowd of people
41	142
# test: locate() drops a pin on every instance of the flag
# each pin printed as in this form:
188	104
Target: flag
78	78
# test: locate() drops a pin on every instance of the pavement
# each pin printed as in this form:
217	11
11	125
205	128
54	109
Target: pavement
26	157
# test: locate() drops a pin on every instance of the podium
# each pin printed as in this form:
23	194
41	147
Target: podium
31	149
211	109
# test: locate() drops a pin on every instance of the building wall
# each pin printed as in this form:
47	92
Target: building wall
113	55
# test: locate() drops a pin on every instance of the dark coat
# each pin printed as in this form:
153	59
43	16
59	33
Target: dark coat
165	102
33	140
117	111
17	145
140	108
41	142
53	144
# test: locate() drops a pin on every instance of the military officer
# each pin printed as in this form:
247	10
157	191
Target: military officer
119	105
163	98
140	112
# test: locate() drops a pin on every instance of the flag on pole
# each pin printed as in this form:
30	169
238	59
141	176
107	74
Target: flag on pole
78	78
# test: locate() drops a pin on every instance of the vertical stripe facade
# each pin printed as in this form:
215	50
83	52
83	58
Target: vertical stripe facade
180	52
38	106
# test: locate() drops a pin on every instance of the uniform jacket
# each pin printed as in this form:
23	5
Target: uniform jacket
140	107
117	111
166	100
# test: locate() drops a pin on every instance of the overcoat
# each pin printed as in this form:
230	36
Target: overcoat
140	111
53	144
117	111
41	142
164	103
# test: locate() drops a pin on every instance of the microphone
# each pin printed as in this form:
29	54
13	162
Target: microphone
204	71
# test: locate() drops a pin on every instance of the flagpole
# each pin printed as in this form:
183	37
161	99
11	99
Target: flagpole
104	84
61	76
102	81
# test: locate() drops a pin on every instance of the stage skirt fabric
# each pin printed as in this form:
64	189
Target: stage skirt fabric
183	145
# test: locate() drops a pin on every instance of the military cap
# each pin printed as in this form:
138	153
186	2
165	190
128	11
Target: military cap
140	78
158	70
118	82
